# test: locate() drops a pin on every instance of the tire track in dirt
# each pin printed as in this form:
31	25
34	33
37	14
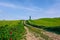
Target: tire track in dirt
53	36
29	35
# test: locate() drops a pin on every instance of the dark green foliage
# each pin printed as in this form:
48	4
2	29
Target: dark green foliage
53	29
11	29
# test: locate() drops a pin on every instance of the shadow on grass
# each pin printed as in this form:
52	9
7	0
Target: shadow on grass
53	29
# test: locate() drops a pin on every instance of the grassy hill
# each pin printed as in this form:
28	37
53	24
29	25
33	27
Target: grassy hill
48	22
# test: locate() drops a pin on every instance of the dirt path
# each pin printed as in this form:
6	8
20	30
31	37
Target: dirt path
29	35
53	36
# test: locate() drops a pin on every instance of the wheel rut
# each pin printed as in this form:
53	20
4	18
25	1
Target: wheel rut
29	35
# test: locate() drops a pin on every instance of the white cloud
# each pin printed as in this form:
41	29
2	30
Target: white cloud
55	9
7	5
20	7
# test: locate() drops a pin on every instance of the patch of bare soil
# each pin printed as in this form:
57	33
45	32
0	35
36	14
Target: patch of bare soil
30	36
53	36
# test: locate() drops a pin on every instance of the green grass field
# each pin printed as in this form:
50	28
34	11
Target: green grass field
13	29
49	24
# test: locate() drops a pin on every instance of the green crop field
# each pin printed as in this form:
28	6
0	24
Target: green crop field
11	30
15	29
48	22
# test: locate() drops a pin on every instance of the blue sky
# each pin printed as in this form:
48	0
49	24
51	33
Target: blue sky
22	9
